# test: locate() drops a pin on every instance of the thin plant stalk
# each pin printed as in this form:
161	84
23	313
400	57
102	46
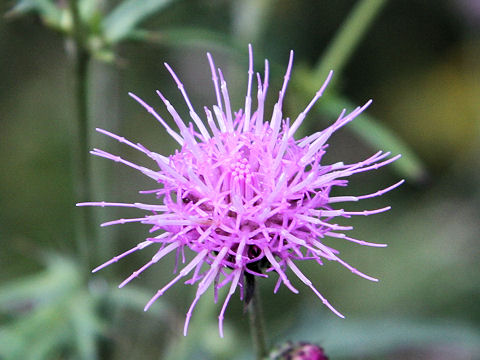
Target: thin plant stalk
348	37
257	326
84	226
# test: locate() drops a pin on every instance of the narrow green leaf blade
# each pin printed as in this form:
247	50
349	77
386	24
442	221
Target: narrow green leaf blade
186	36
60	276
379	136
29	336
348	38
124	18
47	342
47	9
136	298
21	7
86	325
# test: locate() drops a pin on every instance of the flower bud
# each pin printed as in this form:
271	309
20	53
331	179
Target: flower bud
298	351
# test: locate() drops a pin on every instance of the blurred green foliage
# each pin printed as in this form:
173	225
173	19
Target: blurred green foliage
420	63
54	311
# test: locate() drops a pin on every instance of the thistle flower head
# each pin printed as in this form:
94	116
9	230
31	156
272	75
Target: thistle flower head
298	351
242	193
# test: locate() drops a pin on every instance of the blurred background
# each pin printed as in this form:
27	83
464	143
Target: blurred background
419	60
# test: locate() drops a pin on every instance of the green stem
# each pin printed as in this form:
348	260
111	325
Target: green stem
257	327
84	230
348	37
250	18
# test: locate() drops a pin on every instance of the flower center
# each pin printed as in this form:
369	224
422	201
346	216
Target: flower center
240	171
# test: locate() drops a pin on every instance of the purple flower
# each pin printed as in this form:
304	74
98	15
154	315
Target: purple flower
242	194
298	351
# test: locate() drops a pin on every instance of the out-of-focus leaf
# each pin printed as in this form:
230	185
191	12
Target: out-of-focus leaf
59	276
178	37
31	331
47	9
103	54
136	298
203	340
50	312
22	7
85	325
347	38
251	18
193	345
367	127
42	345
88	9
379	136
123	19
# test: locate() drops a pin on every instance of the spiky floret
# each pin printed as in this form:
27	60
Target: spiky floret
243	194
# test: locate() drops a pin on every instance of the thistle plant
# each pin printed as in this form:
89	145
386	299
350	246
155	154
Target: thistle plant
243	194
246	195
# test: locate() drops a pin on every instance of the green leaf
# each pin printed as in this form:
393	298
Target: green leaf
347	38
53	311
34	330
379	136
46	341
203	340
60	275
367	127
47	9
88	9
251	19
22	7
10	343
186	36
85	324
136	298
123	19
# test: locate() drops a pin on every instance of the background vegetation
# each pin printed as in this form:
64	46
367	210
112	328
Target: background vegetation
418	60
